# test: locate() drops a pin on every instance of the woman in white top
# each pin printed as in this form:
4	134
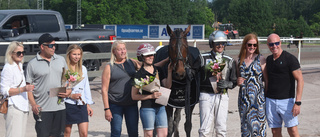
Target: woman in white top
77	104
13	86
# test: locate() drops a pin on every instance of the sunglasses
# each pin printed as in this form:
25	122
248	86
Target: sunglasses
220	43
272	44
250	45
19	53
50	45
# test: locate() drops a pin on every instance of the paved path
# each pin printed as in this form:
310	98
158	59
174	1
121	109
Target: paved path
309	117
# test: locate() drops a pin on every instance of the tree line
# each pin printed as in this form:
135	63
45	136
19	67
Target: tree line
284	17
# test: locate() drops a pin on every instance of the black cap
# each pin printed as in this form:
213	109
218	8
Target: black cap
46	38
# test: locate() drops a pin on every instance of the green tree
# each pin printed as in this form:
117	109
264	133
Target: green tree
67	8
315	24
304	8
168	11
301	26
204	15
114	12
14	4
251	16
180	11
282	8
220	9
282	27
159	12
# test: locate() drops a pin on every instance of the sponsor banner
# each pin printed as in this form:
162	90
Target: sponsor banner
160	31
198	32
110	27
68	26
153	31
132	31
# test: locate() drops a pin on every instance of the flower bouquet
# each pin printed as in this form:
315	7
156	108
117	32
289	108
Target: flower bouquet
69	80
216	69
150	84
73	78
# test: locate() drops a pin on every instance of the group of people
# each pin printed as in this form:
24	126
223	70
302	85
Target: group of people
120	95
44	73
267	90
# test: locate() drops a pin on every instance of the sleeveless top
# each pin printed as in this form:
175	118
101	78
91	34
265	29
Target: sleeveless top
121	77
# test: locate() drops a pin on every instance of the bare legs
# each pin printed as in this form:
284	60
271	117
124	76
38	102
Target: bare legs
161	132
293	132
82	127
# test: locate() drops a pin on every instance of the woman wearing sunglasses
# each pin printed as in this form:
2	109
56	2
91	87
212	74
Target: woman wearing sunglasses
251	74
13	86
77	104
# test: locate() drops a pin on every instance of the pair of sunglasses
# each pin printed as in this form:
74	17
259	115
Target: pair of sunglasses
250	45
50	45
272	44
19	53
220	43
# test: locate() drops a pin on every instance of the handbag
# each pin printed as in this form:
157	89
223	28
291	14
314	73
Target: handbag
4	106
4	103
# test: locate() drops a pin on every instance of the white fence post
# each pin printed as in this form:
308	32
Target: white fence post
299	50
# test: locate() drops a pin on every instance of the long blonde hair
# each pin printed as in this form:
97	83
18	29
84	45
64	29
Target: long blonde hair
113	47
79	63
12	46
243	50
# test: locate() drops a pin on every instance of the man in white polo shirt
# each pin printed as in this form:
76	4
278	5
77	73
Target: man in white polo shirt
45	72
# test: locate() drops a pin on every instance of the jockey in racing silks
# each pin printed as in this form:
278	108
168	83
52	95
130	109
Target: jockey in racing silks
214	85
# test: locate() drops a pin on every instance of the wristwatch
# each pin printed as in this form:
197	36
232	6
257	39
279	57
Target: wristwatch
106	109
297	103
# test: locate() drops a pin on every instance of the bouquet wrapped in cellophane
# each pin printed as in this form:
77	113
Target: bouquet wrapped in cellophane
216	69
150	84
72	78
69	80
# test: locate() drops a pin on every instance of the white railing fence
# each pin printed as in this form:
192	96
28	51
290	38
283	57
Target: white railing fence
107	55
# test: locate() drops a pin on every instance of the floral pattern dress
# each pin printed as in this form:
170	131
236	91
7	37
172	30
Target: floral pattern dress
251	100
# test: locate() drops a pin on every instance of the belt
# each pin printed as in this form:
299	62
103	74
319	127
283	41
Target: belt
206	90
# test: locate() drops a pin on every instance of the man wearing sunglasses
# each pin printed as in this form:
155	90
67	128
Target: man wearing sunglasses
45	72
214	99
282	102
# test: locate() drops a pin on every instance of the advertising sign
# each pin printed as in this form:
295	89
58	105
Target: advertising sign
153	31
160	31
132	31
68	26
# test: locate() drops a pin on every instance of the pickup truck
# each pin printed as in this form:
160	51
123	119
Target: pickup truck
33	23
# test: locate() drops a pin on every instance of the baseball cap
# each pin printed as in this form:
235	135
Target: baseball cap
46	38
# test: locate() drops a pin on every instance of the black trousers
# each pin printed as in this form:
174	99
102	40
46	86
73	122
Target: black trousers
52	124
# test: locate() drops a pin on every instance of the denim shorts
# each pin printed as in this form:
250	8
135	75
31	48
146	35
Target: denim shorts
278	110
151	117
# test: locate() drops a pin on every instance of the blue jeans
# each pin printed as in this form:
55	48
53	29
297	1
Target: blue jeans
131	115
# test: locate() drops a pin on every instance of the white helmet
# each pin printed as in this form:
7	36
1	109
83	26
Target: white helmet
145	49
217	36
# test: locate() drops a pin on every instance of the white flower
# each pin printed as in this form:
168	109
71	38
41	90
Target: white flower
219	57
138	82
